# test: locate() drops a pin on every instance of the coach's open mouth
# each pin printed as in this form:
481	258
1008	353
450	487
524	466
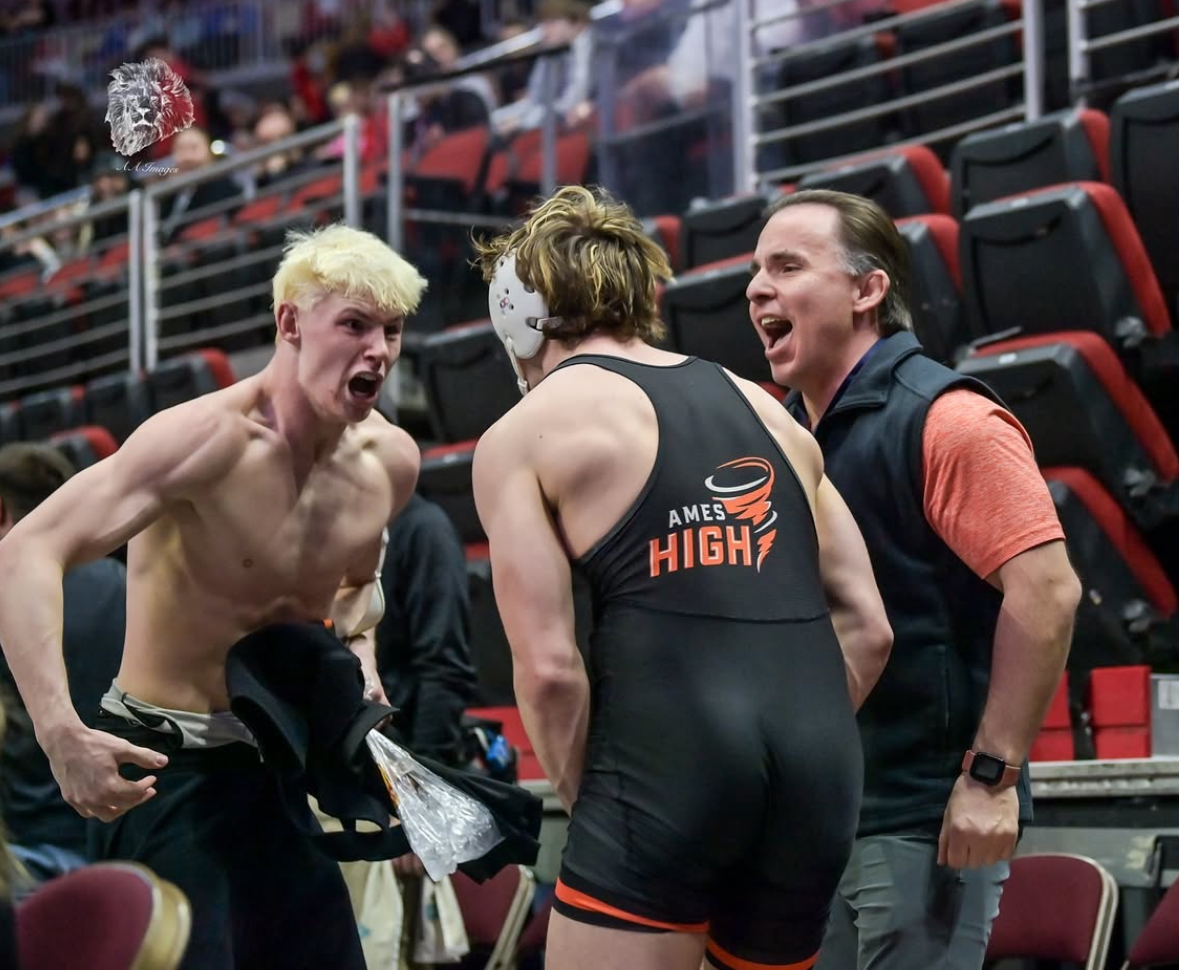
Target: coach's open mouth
775	329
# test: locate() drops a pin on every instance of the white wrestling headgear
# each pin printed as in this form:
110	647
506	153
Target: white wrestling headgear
519	315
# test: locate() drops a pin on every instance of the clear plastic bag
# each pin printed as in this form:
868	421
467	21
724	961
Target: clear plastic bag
444	826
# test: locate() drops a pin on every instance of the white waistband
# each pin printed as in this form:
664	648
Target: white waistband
196	730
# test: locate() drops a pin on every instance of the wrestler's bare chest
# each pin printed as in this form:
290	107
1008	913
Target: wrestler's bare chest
266	535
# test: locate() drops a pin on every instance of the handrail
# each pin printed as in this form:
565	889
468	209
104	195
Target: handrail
887	66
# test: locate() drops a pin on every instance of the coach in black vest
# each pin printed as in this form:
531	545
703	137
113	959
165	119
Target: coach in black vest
970	560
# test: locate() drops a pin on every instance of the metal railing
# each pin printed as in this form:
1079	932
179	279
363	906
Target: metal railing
74	320
198	290
208	34
892	116
1122	33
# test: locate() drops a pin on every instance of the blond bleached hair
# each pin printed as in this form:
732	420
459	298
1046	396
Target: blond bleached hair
348	262
588	256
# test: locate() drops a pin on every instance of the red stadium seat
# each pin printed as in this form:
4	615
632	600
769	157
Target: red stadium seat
1081	409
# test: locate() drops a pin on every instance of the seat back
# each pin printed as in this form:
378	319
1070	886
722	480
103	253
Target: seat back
494	912
45	413
85	446
1055	907
707	315
450	174
1157	943
1111	430
119	916
1061	258
956	65
666	231
445	479
712	231
1144	141
188	376
10	429
118	402
468	380
823	64
902	181
935	294
1066	146
1127	592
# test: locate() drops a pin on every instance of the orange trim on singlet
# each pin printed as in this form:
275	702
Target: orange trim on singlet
738	964
580	900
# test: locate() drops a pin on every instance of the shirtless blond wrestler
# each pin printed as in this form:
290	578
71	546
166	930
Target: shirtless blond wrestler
261	503
709	755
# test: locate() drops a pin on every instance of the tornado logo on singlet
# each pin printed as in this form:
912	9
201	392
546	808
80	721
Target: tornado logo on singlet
731	530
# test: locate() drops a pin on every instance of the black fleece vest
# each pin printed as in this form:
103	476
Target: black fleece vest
922	716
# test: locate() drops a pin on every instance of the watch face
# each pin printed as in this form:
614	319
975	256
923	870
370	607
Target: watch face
987	768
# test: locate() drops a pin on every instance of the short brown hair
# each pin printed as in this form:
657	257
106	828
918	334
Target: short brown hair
587	255
869	240
29	474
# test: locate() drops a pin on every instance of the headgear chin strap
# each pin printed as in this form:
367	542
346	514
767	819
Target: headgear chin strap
519	315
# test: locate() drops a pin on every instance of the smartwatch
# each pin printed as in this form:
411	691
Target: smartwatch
990	770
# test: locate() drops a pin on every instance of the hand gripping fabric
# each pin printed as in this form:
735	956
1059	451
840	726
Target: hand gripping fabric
300	691
519	315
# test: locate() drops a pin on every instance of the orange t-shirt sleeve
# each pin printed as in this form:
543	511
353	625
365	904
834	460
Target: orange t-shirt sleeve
984	494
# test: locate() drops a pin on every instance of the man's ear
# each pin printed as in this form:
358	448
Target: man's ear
286	320
872	288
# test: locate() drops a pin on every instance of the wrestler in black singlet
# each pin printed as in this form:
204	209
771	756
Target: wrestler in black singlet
723	770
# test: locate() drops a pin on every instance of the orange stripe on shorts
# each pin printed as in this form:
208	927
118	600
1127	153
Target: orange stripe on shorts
580	900
738	964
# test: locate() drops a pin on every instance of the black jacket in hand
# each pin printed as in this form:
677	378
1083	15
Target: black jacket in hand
300	691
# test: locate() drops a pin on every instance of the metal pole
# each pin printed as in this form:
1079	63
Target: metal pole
135	268
395	184
1078	56
548	129
743	124
606	58
151	283
352	170
1033	59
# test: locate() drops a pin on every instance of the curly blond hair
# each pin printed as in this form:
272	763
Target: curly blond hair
589	258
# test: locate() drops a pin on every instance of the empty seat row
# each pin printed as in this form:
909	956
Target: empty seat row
118	402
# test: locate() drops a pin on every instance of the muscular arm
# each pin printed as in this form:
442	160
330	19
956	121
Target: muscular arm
95	512
534	593
359	602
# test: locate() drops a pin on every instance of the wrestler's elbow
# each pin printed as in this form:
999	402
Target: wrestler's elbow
549	679
24	552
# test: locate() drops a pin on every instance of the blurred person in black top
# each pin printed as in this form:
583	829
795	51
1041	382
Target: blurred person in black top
47	835
423	654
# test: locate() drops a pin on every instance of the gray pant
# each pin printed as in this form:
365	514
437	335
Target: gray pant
897	909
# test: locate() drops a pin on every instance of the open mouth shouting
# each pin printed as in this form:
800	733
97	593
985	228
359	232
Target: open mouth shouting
777	330
365	387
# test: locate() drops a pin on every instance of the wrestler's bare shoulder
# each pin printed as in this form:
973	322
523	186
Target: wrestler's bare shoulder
798	443
396	450
198	440
568	400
